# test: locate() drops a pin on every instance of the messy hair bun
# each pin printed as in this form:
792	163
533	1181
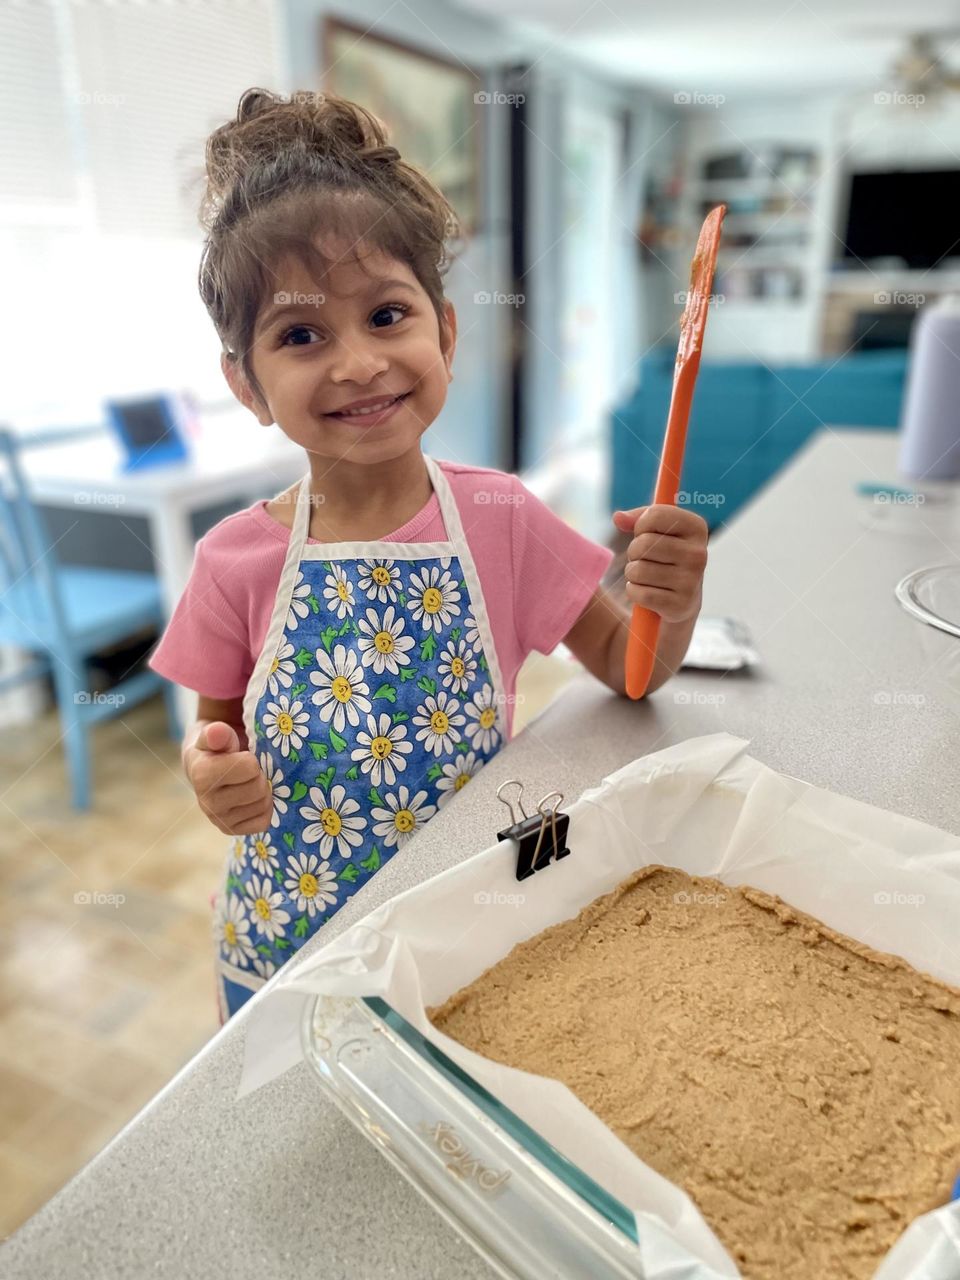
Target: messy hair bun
287	168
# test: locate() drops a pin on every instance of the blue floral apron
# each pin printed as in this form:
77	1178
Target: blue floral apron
376	697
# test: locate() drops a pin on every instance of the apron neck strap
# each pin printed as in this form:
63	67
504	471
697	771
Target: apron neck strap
301	516
448	507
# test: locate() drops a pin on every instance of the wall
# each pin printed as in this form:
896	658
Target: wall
559	90
471	426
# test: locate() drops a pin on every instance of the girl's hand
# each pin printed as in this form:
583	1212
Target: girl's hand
231	788
665	560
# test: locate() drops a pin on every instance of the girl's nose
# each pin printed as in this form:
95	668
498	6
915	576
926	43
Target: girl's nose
357	360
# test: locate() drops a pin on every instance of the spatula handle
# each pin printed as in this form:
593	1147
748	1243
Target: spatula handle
641	650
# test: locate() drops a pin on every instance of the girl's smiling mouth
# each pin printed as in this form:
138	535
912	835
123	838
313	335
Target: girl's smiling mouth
369	412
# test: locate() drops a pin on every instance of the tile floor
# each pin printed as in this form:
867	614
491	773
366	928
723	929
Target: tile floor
106	981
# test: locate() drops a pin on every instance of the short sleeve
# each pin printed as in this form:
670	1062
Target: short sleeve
205	645
556	570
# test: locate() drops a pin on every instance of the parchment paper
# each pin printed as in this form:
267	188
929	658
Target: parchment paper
706	807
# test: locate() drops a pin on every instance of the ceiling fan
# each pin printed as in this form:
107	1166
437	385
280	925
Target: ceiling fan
919	69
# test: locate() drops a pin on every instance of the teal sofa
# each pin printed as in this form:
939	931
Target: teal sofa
747	421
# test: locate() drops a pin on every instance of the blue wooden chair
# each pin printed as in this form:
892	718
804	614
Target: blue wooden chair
63	614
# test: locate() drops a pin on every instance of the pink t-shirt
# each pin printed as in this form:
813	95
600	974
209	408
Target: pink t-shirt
537	575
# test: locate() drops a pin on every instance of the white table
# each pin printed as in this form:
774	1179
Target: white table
232	458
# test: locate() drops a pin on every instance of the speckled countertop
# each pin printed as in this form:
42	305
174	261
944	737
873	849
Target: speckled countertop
853	695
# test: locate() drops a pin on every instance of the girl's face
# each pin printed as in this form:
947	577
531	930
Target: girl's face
368	333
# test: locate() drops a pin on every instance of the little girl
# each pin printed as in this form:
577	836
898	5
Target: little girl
355	641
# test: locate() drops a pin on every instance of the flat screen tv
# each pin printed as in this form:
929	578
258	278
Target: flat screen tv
913	214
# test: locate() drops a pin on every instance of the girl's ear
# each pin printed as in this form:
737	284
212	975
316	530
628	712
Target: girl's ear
238	384
448	336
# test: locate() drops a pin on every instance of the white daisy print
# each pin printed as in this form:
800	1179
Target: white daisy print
282	669
338	592
399	822
280	789
334	824
383	747
232	931
471	633
265	968
238	854
299	606
382	643
311	884
482	729
263	856
342	692
285	725
441	720
434	598
456	775
266	908
380	580
458	666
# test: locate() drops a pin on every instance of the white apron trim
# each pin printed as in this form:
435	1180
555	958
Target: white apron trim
361	550
454	528
242	977
299	549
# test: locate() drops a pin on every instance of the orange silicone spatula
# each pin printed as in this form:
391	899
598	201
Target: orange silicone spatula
644	623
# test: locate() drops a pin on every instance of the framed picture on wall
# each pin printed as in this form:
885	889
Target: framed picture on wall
426	102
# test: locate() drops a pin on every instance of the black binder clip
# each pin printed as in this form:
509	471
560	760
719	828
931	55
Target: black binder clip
541	836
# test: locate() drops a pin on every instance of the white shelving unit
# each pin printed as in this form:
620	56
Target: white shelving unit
778	229
764	269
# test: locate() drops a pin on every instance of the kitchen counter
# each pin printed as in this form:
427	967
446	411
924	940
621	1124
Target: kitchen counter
852	695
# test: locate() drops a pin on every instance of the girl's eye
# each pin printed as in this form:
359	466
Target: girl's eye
390	306
298	329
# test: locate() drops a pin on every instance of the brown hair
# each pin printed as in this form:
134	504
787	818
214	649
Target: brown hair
288	168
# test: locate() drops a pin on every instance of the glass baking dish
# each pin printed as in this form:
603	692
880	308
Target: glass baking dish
933	596
524	1207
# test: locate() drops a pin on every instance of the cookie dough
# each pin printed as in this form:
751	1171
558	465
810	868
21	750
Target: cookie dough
803	1088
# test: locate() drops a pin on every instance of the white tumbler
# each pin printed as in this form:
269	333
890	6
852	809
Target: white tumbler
930	423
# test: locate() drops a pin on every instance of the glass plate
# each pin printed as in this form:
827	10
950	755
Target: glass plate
528	1211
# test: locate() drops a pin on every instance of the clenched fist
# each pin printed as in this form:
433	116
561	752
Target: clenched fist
665	560
230	786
